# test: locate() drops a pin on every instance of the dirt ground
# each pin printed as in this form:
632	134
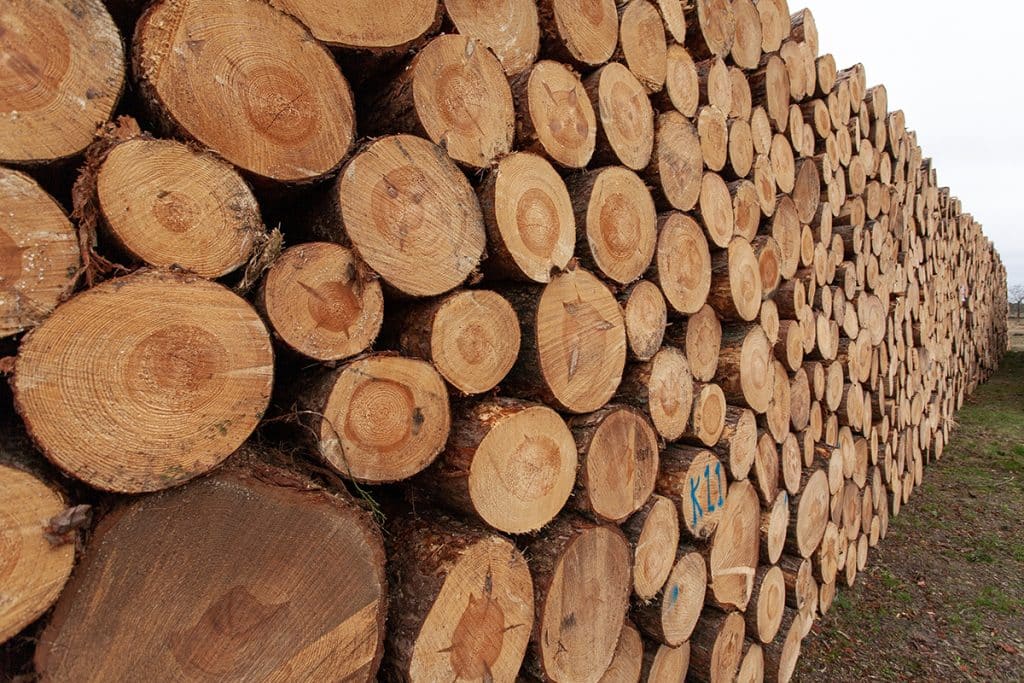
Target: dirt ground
943	596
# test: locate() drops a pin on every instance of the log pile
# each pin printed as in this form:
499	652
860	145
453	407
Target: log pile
417	341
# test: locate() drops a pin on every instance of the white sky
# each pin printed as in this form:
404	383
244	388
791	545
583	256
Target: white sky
953	68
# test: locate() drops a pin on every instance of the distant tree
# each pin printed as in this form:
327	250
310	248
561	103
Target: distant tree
1016	293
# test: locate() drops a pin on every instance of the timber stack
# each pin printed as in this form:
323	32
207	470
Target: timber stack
523	340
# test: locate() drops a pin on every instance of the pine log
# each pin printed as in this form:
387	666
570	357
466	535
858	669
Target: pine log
715	87
454	92
472	338
642	43
708	416
228	592
672	615
767	603
583	32
766	468
379	418
509	28
66	76
646	315
368	27
738	442
554	116
676	164
715	210
461	602
746	210
775	528
717	647
582	579
664	663
663	388
39	254
653	534
37	557
618	223
682	86
531	229
618	455
775	27
735	547
164	204
693	479
807	527
711	27
626	133
146	360
401	202
682	265
746	47
295	122
508	462
573	343
752	664
321	302
744	367
628	661
782	654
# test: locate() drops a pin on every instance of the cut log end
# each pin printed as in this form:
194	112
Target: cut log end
619	451
295	116
627	118
33	571
683	261
462	605
382	418
320	303
219	603
67	74
365	26
587	30
735	548
654	535
403	204
472	337
558	115
509	28
168	205
39	255
582	600
153	360
462	100
581	341
531	229
646	317
620	223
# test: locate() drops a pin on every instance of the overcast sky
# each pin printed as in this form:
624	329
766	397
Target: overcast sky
953	68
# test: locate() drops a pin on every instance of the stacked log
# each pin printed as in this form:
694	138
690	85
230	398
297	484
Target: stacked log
560	340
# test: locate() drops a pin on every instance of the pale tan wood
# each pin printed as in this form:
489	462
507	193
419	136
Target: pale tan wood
39	254
298	121
141	355
34	569
322	302
531	228
67	74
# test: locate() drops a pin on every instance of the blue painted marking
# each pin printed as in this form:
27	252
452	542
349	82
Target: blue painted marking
674	595
694	486
718	473
707	476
